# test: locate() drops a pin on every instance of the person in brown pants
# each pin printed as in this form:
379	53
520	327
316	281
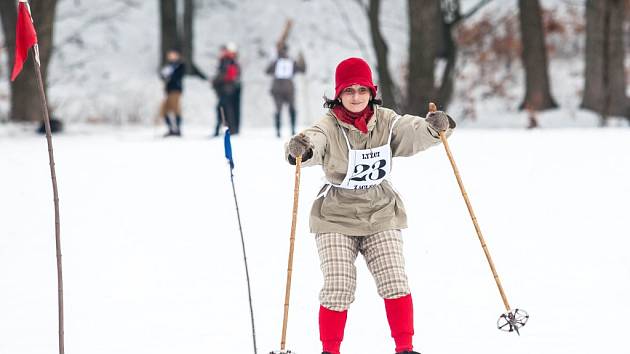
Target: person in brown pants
172	74
283	69
358	210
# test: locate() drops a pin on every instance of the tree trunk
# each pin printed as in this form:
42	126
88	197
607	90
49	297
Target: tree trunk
382	65
447	86
534	56
425	25
604	77
187	35
617	101
25	101
447	50
168	28
8	16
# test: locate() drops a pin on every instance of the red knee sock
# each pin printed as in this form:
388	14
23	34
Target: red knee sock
331	326
400	318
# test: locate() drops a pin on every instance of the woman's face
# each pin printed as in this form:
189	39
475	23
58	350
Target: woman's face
355	98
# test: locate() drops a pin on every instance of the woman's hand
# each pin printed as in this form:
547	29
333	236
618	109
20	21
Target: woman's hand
300	145
438	120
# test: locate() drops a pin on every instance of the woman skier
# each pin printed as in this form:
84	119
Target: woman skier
358	210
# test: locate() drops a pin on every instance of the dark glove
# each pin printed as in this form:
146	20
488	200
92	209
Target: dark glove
440	121
300	145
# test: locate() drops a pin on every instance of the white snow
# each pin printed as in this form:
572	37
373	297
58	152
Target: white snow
151	250
153	262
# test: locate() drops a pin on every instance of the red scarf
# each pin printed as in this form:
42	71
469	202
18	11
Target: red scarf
359	120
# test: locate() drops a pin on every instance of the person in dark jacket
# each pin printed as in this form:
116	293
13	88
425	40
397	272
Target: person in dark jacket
283	69
172	74
227	85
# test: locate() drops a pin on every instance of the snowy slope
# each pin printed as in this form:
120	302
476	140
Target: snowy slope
153	261
152	254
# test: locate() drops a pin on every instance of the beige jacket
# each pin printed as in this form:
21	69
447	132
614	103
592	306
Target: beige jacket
372	210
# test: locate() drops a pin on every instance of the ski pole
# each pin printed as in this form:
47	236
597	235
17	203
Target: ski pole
287	294
228	155
511	320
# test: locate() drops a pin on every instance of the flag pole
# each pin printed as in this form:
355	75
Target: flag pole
53	176
25	40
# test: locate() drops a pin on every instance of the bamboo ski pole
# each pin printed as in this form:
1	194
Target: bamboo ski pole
510	315
287	294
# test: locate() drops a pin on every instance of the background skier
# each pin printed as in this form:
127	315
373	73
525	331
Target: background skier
172	74
283	68
227	85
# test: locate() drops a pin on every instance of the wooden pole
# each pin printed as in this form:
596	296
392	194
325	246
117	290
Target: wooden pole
53	176
285	34
287	293
432	108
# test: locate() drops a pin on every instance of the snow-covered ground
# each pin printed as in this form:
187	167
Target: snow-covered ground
152	254
153	264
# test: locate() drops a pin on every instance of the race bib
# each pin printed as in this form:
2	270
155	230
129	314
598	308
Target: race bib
366	168
284	68
369	167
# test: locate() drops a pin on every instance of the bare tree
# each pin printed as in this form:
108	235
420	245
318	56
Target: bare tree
451	16
188	40
8	17
168	28
382	63
432	27
177	32
188	34
385	84
425	29
534	56
604	77
351	32
25	104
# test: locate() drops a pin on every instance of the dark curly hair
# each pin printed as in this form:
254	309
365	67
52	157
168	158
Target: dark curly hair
332	103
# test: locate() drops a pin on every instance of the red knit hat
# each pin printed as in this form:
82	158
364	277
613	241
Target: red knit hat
353	71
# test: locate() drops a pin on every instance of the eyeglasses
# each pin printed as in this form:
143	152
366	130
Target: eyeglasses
349	91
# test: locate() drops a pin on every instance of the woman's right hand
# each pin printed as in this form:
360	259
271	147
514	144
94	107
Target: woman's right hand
438	120
300	145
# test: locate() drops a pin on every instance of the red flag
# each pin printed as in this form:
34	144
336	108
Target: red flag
25	37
